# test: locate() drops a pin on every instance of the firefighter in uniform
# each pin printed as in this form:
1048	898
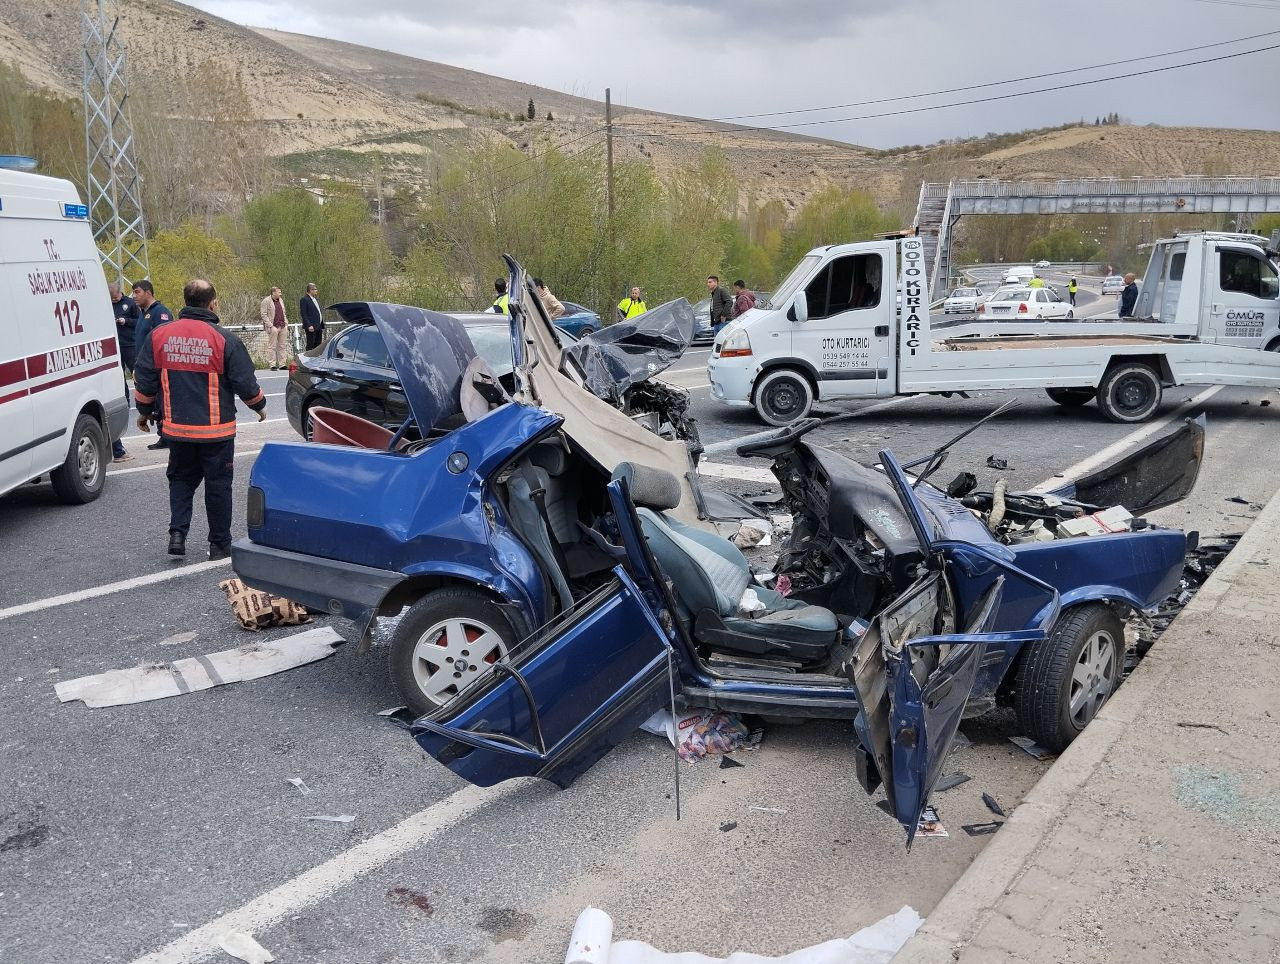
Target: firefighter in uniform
187	377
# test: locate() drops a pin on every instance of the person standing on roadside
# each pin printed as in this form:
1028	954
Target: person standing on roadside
312	317
744	299
721	305
1129	296
501	304
276	324
631	306
127	314
192	370
549	301
1072	288
154	314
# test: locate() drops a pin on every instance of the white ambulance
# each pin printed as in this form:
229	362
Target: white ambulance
62	391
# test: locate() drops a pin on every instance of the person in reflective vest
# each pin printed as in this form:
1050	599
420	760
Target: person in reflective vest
1036	282
629	308
501	304
1072	288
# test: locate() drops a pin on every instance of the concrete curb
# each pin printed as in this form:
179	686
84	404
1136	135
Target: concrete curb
973	900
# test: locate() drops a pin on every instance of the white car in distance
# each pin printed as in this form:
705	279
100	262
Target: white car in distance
962	301
1023	303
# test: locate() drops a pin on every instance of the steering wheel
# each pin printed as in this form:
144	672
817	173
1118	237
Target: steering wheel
775	443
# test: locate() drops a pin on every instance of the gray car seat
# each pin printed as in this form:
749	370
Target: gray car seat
709	575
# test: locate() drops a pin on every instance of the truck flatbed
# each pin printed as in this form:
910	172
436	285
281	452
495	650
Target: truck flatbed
998	342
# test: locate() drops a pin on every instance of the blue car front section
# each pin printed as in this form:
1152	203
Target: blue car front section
366	520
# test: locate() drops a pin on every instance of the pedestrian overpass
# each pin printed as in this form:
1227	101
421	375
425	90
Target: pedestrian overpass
942	205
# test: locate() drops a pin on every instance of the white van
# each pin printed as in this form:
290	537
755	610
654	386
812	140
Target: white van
1017	276
62	391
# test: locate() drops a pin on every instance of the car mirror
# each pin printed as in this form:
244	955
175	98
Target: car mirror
800	306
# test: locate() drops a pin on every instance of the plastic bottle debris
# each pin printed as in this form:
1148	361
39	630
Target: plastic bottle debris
243	947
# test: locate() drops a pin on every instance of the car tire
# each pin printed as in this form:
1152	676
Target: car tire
1071	397
82	475
305	419
424	645
1064	680
1070	313
783	396
1130	392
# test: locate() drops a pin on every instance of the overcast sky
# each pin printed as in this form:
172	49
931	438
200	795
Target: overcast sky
713	58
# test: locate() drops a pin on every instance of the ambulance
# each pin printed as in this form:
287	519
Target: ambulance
63	398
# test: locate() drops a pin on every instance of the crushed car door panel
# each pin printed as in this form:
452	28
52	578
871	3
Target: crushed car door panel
561	699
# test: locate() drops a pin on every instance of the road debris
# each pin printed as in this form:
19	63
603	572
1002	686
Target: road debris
1202	559
930	825
1239	501
994	807
1031	746
997	463
703	733
243	947
1188	724
157	681
951	781
302	787
960	741
980	829
256	610
178	638
728	825
345	818
728	763
753	532
592	943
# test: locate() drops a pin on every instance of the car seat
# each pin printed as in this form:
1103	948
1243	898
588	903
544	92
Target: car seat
709	576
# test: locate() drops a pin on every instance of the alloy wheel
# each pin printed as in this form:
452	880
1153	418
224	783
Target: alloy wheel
452	653
1093	677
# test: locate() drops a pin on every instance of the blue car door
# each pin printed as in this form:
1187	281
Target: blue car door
916	667
562	698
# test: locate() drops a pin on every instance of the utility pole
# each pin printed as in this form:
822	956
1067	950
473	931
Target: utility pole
112	182
608	191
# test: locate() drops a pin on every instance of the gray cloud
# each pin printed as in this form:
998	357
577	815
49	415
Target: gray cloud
712	58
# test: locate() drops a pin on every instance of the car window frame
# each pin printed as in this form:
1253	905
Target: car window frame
353	334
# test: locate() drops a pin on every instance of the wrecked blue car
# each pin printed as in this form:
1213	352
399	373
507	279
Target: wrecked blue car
556	573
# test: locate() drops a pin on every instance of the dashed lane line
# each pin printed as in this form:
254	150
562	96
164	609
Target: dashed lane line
177	572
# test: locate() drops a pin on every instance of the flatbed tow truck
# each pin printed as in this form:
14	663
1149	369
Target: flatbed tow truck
1208	313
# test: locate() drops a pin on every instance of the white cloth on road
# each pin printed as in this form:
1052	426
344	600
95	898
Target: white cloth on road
592	943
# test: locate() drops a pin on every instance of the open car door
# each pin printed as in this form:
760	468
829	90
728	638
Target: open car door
561	699
915	668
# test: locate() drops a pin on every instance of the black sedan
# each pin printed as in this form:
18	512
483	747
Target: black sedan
352	372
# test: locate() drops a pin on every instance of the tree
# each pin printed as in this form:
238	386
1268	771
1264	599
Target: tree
530	113
834	215
293	237
187	252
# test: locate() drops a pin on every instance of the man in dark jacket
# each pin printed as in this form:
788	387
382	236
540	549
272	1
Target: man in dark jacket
126	312
721	305
312	318
189	373
152	315
1129	296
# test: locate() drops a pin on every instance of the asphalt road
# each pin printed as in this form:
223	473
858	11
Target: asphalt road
149	829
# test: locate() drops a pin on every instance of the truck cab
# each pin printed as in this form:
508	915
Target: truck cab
1233	293
828	334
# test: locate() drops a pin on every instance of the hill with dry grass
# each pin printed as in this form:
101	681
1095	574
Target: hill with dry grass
329	108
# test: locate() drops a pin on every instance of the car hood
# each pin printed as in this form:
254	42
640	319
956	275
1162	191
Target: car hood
613	359
429	350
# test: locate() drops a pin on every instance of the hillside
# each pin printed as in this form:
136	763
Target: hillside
327	108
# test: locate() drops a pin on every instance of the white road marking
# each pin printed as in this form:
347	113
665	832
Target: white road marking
1114	450
165	465
177	572
327	878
